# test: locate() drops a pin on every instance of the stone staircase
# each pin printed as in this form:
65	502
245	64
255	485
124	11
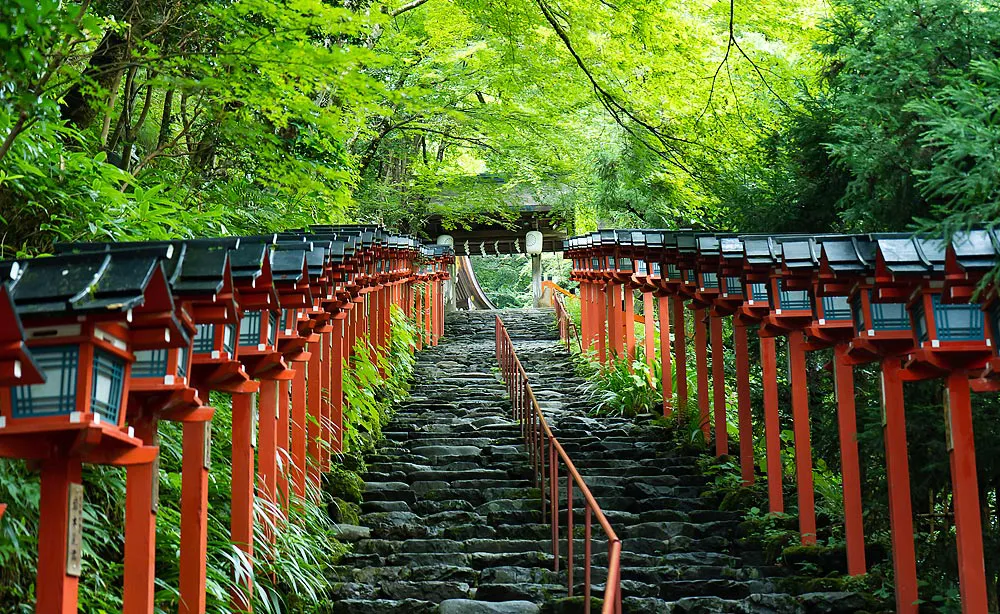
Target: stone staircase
455	521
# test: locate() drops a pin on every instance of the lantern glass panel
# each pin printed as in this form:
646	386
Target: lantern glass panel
709	280
673	272
920	318
250	328
204	338
958	322
228	337
654	269
625	264
106	395
272	327
758	291
793	300
612	264
57	395
150	363
734	285
595	263
836	308
890	316
857	313
182	362
640	266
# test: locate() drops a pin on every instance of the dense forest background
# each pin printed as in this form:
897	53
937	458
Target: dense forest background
122	119
126	120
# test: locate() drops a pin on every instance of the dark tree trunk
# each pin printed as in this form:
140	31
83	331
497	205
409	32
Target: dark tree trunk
80	105
165	119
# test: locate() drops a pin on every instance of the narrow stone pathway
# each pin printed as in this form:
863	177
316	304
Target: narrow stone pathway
455	523
449	500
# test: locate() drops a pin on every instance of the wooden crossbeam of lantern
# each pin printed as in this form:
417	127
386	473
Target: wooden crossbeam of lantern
82	313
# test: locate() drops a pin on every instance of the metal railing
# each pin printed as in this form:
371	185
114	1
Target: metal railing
546	454
567	326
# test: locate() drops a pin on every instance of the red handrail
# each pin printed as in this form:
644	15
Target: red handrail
567	326
544	453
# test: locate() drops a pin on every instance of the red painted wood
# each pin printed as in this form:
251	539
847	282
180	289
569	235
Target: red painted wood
586	313
665	377
743	402
628	323
701	366
854	529
298	427
194	517
284	443
315	412
649	332
904	560
803	444
241	505
57	591
267	444
326	411
615	337
719	388
140	528
680	353
772	426
337	386
602	319
965	496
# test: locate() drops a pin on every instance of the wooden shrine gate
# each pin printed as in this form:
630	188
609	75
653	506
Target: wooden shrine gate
905	302
101	342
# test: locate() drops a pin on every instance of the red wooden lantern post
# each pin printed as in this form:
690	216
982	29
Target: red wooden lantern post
202	280
670	283
594	260
83	315
883	332
687	255
730	300
758	259
290	273
654	284
641	281
951	343
838	271
709	293
790	312
612	293
621	269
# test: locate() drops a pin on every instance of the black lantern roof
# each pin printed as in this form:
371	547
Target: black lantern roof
654	239
708	246
287	265
83	283
687	243
247	260
911	255
976	250
731	248
853	255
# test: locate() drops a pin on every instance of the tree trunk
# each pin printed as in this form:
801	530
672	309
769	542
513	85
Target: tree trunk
165	118
80	105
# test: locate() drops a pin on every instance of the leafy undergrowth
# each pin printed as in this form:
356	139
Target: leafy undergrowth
288	575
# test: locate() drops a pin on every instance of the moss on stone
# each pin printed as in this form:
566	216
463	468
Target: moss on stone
341	483
343	512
